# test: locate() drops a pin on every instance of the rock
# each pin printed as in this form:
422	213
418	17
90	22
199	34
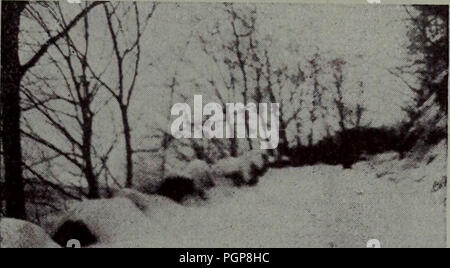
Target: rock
21	234
107	220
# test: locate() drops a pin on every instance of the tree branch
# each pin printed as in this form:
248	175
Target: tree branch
43	49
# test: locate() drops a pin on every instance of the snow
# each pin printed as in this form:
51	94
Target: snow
197	170
21	234
383	198
200	172
108	219
150	205
146	183
242	164
255	157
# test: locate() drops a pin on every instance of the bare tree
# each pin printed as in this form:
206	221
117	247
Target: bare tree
337	65
246	69
343	112
167	138
122	91
359	109
241	57
316	71
12	72
77	95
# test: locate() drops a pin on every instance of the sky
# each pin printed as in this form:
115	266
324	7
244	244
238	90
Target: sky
372	39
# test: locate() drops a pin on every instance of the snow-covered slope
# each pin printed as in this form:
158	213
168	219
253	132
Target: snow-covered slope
395	201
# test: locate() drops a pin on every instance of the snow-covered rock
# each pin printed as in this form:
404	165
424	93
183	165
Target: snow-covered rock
108	220
21	234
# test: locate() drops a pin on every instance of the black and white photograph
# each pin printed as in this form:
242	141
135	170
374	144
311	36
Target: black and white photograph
223	125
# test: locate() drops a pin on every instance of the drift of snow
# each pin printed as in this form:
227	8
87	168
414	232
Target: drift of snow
21	234
151	205
109	220
384	198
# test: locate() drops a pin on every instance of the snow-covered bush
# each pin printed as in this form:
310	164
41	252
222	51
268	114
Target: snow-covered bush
147	184
201	173
21	234
191	180
197	170
179	188
243	170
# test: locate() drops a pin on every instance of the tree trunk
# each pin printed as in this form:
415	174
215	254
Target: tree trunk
283	147
234	147
88	171
91	180
128	147
165	145
11	75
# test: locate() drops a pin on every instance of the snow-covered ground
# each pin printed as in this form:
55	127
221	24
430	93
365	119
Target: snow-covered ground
317	206
20	234
401	203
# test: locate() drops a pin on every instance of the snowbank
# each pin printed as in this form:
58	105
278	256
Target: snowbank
151	205
392	200
324	206
108	220
21	234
